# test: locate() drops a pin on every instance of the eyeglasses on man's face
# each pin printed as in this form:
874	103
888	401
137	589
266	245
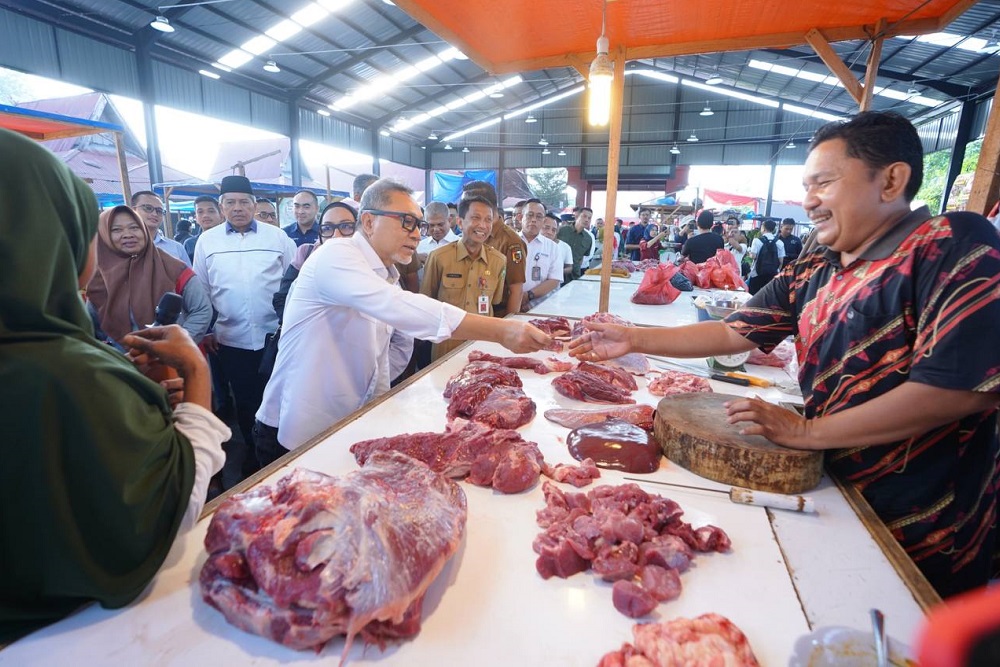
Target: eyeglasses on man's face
151	209
267	215
330	228
408	221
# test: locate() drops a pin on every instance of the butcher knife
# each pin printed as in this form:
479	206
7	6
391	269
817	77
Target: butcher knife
743	496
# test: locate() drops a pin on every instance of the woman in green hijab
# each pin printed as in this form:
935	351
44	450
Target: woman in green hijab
98	473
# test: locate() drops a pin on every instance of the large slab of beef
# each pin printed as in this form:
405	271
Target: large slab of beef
557	327
313	557
490	393
602	386
640	415
540	366
710	640
607	318
500	458
626	536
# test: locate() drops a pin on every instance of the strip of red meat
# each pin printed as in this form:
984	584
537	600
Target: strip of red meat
610	374
640	415
529	363
584	386
578	328
297	563
553	326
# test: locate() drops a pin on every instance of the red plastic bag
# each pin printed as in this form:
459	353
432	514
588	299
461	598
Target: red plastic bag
690	271
721	271
656	288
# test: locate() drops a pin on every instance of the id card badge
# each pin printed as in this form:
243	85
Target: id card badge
484	304
536	273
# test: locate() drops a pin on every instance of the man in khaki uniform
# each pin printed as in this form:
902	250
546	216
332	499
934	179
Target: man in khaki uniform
508	243
466	273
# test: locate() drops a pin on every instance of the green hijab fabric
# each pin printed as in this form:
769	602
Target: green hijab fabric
94	479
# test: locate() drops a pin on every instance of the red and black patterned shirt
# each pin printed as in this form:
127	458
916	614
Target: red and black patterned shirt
922	304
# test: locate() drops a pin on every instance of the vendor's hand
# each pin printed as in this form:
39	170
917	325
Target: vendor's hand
170	345
175	391
521	337
779	425
210	343
601	341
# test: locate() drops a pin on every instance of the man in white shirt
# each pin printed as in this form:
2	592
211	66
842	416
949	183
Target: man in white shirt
241	264
544	267
348	296
438	231
550	230
149	207
759	275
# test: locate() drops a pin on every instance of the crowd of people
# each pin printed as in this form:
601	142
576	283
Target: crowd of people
114	440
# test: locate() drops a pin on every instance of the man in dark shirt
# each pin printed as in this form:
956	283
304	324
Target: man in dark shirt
636	234
792	243
702	246
305	229
576	236
895	319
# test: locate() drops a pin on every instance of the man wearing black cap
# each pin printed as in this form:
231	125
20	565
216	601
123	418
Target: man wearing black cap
241	263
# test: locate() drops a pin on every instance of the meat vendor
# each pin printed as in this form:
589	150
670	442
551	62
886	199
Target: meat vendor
895	318
340	314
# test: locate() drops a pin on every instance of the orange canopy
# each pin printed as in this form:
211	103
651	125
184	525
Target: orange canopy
525	35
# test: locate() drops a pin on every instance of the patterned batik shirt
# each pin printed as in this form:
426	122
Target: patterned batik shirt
922	304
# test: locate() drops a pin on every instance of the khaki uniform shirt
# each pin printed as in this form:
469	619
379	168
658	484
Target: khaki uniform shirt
509	244
453	276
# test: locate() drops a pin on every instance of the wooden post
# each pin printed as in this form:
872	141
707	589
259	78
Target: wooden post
874	56
826	53
614	152
123	168
168	222
986	182
328	190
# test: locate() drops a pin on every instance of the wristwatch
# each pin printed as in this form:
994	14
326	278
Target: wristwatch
531	295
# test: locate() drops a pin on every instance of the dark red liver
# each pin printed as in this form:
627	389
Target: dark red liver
617	445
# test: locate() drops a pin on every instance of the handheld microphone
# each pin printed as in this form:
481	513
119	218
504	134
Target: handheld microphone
168	309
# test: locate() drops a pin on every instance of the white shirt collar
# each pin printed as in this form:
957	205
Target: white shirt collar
389	273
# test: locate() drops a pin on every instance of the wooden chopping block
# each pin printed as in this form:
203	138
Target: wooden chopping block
693	432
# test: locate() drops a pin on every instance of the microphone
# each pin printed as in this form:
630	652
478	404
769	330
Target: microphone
168	309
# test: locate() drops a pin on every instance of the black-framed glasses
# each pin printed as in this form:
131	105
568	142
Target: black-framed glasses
329	228
152	209
267	215
409	221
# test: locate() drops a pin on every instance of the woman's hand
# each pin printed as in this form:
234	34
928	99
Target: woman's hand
779	425
602	341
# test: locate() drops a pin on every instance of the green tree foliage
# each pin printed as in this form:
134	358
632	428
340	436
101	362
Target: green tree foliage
549	185
935	176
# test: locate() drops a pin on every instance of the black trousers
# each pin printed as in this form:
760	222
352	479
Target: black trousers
757	283
241	369
266	442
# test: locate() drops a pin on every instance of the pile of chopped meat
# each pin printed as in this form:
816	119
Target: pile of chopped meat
313	557
625	264
528	363
624	535
647	264
500	458
640	415
490	393
596	383
709	640
676	382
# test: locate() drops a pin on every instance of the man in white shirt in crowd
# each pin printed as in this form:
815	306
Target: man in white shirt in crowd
517	219
544	267
550	230
149	208
241	264
438	231
348	296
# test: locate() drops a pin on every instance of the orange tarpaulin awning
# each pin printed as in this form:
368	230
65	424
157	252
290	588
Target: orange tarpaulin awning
523	36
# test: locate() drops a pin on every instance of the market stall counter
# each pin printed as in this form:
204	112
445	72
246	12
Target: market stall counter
786	574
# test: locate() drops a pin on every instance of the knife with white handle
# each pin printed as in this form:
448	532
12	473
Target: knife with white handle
737	494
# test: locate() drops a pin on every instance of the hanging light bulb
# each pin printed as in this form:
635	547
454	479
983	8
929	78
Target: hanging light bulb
693	137
601	73
271	66
465	149
447	147
714	79
707	111
433	136
530	119
546	151
674	150
543	141
162	24
561	153
791	143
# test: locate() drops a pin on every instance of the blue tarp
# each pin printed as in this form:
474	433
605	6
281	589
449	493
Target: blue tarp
448	187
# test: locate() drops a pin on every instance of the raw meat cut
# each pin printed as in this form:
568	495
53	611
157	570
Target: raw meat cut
490	393
479	373
710	640
624	535
780	357
584	386
577	475
633	362
607	318
625	264
677	382
610	374
500	458
553	326
529	363
647	264
640	415
313	557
